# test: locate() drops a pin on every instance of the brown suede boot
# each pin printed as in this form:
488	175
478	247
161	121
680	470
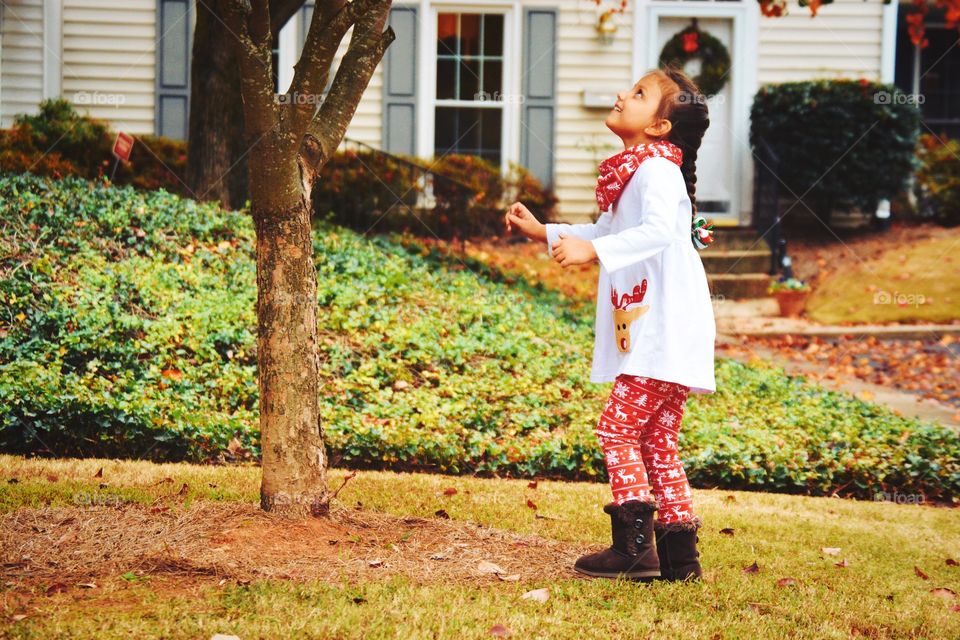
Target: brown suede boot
632	554
677	549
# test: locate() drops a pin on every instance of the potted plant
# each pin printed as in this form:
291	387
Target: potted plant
791	295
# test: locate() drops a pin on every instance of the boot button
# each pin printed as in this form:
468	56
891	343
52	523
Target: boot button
638	523
640	539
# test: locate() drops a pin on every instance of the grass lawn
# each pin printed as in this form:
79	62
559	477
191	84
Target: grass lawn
178	551
918	282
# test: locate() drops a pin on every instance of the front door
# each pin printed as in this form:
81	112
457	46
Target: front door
724	156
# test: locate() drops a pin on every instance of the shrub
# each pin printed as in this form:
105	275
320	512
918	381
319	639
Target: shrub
59	141
844	143
371	191
938	180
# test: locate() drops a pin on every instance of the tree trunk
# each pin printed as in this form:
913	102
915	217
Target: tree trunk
294	457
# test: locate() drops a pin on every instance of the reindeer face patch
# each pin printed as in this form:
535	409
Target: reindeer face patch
622	317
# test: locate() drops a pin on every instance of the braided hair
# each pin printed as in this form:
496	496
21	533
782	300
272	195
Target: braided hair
686	109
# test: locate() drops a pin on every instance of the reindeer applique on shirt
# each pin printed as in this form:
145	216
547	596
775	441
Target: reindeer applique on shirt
622	318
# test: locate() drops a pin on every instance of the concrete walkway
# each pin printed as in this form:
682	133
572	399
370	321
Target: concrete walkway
759	317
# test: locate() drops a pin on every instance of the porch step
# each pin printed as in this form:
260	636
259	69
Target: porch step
735	261
738	285
738	239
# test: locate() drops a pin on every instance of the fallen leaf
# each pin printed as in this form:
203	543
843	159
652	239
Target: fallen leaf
531	505
919	573
537	595
786	582
376	563
99	473
532	484
489	567
754	568
843	563
500	631
441	513
943	592
449	491
727	531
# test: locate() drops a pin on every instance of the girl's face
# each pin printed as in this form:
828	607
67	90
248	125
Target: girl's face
633	117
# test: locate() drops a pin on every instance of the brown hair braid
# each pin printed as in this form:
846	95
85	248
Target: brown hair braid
685	107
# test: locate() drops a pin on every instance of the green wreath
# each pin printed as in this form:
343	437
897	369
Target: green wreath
691	43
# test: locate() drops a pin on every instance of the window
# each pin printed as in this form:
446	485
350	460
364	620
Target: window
931	75
469	103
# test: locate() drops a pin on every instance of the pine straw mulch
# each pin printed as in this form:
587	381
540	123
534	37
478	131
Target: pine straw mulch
238	541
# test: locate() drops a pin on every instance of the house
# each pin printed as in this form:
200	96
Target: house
526	81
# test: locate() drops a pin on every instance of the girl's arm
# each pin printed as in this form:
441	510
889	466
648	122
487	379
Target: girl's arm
585	231
660	205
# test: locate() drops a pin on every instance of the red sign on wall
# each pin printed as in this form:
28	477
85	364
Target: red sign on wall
122	146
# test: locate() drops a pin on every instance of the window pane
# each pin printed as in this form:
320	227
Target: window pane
470	131
492	78
447	33
469	34
490	129
493	34
446	78
469	79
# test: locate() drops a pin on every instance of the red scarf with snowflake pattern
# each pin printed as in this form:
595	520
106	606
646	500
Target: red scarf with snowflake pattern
616	170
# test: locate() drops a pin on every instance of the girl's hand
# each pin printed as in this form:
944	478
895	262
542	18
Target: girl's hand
520	217
570	250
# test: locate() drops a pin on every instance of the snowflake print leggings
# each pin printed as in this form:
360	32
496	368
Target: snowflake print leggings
638	433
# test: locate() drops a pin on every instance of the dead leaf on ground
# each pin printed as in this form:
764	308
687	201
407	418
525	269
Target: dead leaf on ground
537	595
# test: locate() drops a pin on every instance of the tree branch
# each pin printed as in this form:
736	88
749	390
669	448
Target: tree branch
254	55
367	46
312	70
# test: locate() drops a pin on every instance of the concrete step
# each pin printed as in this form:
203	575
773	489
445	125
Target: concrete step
738	239
735	261
738	285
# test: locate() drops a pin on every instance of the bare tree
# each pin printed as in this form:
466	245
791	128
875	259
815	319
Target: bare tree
290	138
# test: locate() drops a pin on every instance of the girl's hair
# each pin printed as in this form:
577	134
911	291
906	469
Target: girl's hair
686	108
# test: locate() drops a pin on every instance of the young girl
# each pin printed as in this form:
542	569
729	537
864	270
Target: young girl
655	327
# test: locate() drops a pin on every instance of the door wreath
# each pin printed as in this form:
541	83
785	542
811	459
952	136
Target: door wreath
690	43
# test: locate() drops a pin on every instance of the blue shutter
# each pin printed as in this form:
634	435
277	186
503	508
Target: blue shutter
538	114
400	84
173	69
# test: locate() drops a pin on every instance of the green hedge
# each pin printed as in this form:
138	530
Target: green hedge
127	330
842	143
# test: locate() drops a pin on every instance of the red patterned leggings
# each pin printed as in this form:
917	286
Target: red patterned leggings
638	434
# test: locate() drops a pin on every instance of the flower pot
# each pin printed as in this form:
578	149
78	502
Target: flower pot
791	302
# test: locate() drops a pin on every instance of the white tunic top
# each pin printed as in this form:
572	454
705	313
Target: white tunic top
646	254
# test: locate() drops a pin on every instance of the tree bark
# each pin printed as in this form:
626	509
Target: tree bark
294	457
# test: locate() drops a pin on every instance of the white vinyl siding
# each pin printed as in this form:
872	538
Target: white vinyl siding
842	41
109	61
21	59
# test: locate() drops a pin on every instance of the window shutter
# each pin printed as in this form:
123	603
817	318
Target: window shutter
538	113
173	69
400	83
